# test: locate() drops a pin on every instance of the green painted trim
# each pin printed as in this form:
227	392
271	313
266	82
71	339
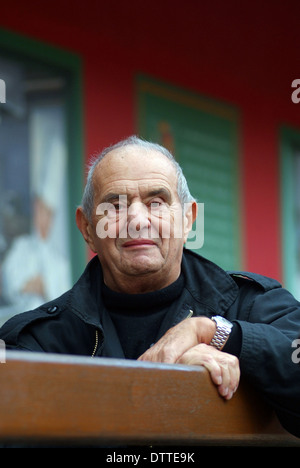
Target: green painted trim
145	84
29	48
76	170
184	96
70	64
289	142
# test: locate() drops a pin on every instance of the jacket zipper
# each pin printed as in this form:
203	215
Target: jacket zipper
189	314
96	344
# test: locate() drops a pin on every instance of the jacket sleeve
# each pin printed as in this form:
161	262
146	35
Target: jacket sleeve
270	326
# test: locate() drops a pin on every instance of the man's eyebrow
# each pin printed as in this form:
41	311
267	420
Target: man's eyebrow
111	197
160	192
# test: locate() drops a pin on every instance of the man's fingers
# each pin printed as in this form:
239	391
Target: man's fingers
175	342
230	375
178	339
223	368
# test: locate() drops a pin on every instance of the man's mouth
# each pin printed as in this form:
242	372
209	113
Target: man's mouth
138	243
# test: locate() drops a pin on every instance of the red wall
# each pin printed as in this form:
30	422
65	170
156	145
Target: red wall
246	56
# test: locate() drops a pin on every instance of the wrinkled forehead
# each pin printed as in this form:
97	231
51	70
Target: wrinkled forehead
133	164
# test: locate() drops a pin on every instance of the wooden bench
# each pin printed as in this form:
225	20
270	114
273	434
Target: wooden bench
47	398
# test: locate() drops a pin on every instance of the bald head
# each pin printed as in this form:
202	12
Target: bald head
125	147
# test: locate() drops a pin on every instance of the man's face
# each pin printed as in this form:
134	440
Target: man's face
138	228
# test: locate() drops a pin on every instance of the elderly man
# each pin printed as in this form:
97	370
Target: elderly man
144	296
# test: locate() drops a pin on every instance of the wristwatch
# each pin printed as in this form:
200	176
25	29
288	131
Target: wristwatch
222	332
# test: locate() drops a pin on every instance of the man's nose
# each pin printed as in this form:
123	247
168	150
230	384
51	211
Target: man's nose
138	217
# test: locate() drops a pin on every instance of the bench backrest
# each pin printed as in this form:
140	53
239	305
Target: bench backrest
45	397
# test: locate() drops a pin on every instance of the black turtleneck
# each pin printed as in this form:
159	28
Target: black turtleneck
137	317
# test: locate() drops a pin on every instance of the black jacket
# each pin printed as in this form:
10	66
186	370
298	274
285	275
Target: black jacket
266	316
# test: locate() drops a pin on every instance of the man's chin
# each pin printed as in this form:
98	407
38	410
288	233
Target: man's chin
141	262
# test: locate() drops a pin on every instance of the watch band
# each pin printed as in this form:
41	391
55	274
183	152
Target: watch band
222	332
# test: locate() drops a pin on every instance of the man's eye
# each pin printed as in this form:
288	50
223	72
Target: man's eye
156	204
119	206
159	204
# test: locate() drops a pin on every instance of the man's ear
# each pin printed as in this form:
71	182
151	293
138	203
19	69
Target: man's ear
85	228
190	216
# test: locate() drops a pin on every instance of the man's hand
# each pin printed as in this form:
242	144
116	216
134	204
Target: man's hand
224	368
180	339
188	343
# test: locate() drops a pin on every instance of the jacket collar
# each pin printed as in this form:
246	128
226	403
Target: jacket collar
210	287
85	296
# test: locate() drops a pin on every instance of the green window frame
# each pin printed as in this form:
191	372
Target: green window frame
203	135
30	50
290	146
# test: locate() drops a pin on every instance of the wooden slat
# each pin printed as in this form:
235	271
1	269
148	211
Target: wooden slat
46	397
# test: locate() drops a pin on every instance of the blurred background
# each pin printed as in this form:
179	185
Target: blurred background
212	81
